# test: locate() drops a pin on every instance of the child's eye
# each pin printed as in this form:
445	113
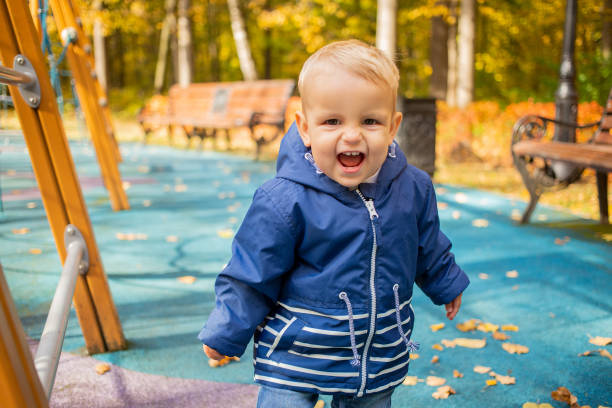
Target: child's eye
370	121
332	122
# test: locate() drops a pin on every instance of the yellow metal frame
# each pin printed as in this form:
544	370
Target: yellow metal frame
57	180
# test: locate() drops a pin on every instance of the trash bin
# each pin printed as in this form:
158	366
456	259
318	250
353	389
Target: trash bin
417	133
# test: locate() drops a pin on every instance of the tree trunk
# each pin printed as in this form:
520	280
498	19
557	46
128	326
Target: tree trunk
185	44
247	65
213	49
438	57
606	30
386	19
100	47
162	56
465	54
451	45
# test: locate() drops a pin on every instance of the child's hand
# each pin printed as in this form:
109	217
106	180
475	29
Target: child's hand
453	307
212	353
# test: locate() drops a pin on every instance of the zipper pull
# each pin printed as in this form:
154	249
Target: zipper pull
370	206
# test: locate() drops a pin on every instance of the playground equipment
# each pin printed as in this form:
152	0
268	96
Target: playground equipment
60	191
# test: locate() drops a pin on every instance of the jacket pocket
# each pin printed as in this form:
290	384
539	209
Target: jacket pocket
284	337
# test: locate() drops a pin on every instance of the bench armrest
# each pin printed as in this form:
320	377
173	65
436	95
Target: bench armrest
534	127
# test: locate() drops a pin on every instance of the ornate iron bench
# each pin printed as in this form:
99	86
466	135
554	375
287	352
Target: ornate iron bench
535	157
204	109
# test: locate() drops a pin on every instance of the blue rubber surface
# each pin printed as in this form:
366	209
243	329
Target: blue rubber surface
185	207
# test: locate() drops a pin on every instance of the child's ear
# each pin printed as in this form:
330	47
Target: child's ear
302	125
396	120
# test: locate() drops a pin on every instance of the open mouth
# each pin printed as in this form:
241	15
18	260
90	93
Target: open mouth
351	159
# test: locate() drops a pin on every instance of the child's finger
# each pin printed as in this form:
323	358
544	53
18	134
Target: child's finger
212	353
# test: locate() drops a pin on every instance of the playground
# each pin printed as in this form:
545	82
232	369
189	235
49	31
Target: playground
154	224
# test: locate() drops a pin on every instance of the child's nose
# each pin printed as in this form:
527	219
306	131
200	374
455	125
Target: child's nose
352	135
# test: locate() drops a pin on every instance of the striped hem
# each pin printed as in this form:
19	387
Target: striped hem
391	311
384	387
315	313
303	385
305	370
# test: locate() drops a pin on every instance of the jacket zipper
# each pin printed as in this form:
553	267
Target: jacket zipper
364	357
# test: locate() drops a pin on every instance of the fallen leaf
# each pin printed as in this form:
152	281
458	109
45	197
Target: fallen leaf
410	380
515	348
102	368
436	327
600	341
562	394
435	359
607	237
461	198
220	363
491	382
225	233
510	327
414	356
500	336
512	274
441	190
457	374
483	276
437	347
35	251
467	326
435	381
21	231
561	241
515	287
180	188
542	217
456	215
503	379
536	405
126	185
482	369
488	327
601	352
320	404
172	238
146	203
480	223
187	279
442	206
470	343
31	205
448	343
443	392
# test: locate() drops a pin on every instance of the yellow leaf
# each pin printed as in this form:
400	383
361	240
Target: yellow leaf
35	251
437	347
435	381
467	326
515	348
456	215
480	223
504	379
562	394
172	238
443	392
102	368
488	327
410	380
225	233
483	276
512	274
500	336
414	356
187	279
442	206
457	374
31	205
461	198
21	231
600	341
601	352
319	404
510	327
470	343
436	327
607	237
491	382
482	369
435	360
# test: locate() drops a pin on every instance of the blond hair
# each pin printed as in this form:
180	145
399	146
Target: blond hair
356	57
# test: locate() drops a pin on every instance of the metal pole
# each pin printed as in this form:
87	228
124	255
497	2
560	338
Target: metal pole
566	97
9	76
50	346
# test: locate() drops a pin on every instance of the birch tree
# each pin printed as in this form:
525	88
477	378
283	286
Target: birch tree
386	18
168	27
438	56
99	46
185	44
451	45
247	65
465	54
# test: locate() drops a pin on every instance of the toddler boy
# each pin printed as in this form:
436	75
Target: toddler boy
324	263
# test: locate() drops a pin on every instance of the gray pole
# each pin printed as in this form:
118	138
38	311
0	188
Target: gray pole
566	97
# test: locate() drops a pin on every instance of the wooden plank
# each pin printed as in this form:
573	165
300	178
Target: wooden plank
19	383
42	127
587	155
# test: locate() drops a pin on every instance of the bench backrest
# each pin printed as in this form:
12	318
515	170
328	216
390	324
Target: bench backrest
603	133
229	103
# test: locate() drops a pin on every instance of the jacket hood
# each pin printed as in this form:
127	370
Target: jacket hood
295	163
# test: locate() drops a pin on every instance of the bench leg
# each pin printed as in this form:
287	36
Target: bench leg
533	201
602	191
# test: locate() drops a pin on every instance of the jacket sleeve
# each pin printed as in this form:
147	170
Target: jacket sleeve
248	287
438	275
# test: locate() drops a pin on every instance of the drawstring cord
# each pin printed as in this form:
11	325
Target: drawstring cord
355	362
412	345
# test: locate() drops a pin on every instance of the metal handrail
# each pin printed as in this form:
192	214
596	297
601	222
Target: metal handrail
50	346
12	77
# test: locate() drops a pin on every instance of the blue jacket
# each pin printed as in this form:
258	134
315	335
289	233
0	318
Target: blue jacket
322	276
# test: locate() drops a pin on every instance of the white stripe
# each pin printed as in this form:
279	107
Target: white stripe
323	356
332	332
304	385
271	330
312	312
280	335
388	370
384	387
388	359
320	346
395	343
306	370
391	311
283	318
393	326
263	344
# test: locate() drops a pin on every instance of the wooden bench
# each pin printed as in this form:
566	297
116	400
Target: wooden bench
204	109
535	157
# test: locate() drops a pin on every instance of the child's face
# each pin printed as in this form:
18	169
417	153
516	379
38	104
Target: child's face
348	122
